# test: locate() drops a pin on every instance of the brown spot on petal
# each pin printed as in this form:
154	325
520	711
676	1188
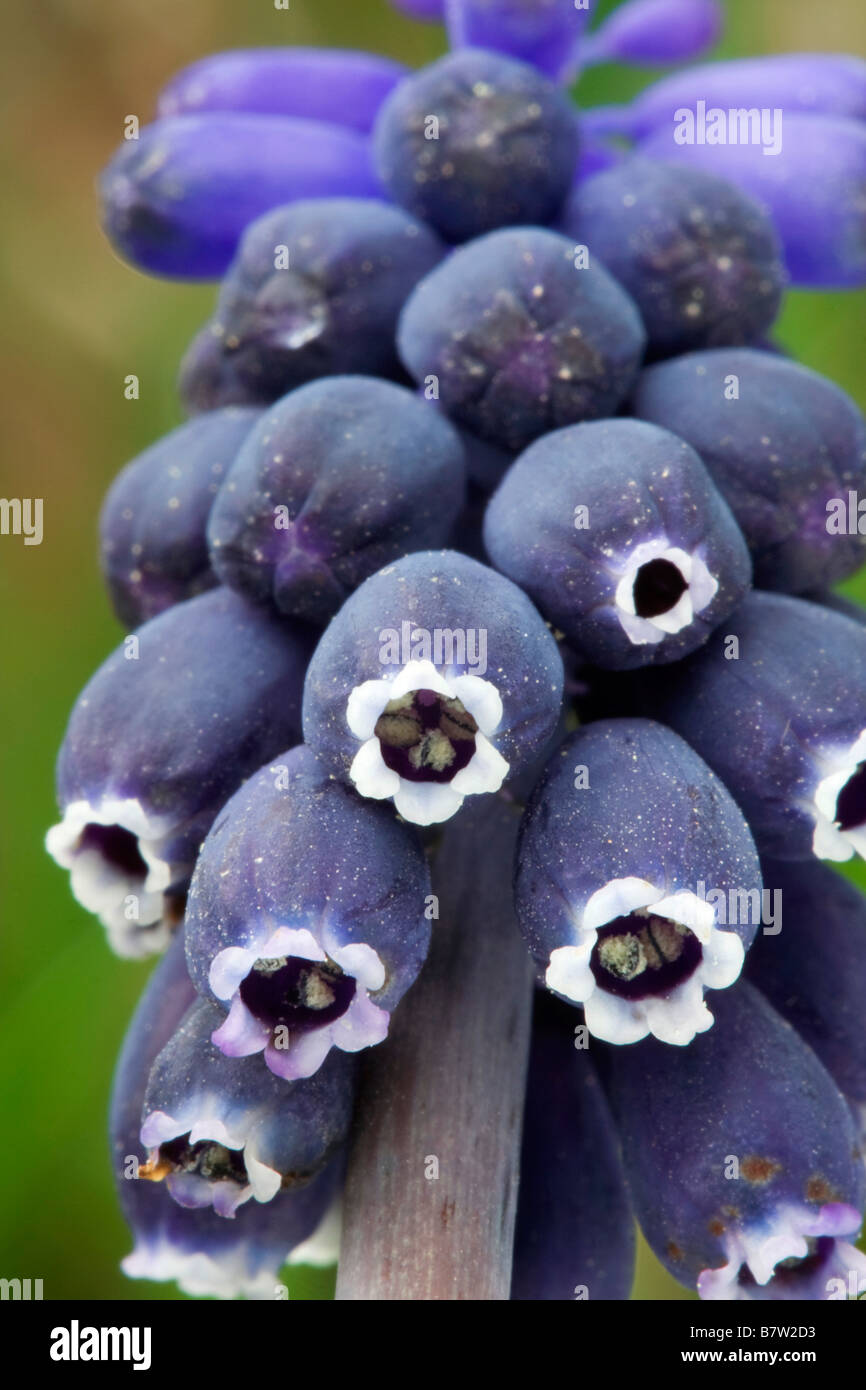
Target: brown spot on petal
819	1190
759	1170
716	1227
673	1251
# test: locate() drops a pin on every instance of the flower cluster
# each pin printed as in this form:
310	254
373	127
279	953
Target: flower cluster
493	483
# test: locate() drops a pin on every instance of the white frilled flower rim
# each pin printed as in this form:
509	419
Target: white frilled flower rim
785	1235
425	803
829	840
673	1017
199	1119
362	1025
103	887
700	590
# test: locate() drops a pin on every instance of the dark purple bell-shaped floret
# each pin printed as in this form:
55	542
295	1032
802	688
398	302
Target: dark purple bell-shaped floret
314	290
153	523
699	258
637	884
616	531
169	726
785	447
741	1158
221	1130
477	141
339	477
775	702
308	917
205	1254
518	335
574	1237
812	967
436	680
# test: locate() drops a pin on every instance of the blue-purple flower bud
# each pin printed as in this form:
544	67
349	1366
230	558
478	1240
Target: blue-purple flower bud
153	522
308	917
340	477
320	84
699	258
632	867
477	141
812	183
161	736
315	290
829	84
176	200
651	33
436	680
544	33
616	532
785	447
741	1158
519	335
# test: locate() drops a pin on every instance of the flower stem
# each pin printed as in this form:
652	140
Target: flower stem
431	1191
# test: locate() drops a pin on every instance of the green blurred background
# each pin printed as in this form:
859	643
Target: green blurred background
76	321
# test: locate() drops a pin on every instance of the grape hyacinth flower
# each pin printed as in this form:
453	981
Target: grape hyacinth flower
476	141
315	290
544	33
306	918
615	530
177	200
140	778
650	33
574	1236
776	704
812	186
518	337
699	258
820	84
744	1173
206	1255
221	1131
814	971
436	680
154	519
339	477
321	84
628	845
781	443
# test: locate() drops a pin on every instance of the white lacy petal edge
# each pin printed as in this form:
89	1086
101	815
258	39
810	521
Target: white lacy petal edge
103	888
364	1024
425	803
828	841
675	1017
784	1235
701	588
198	1274
202	1119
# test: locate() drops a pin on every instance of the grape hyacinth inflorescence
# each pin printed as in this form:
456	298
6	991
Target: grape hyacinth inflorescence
487	448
